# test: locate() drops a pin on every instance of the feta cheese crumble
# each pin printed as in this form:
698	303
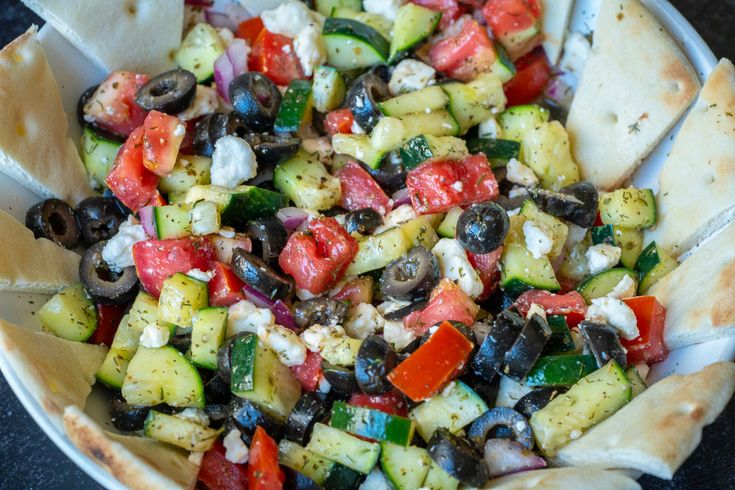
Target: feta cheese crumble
233	162
536	309
235	450
623	289
196	415
602	256
118	251
154	336
616	313
315	336
395	333
539	240
289	18
309	48
455	266
489	129
244	316
397	217
386	8
520	174
410	75
206	101
364	320
201	275
288	346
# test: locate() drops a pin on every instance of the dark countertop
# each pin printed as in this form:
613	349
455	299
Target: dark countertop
31	461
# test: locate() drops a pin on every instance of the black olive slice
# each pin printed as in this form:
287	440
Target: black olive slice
457	456
412	276
181	342
488	391
100	218
127	417
576	203
102	284
217	390
269	236
257	99
463	329
514	423
375	359
604	343
55	220
490	356
363	221
481	228
271	150
340	378
260	276
311	408
215	126
246	416
217	414
363	97
83	99
527	348
402	312
295	480
537	399
171	92
322	311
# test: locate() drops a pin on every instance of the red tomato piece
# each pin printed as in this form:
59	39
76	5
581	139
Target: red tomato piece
217	473
356	291
649	347
437	186
433	364
450	10
309	374
339	121
469	48
263	470
318	261
532	75
249	30
225	288
515	23
129	180
112	106
270	57
157	200
486	266
553	304
447	302
157	260
161	142
391	402
108	319
359	190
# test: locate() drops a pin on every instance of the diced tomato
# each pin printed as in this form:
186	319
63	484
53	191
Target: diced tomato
309	374
649	346
466	54
433	364
356	291
553	304
157	260
225	246
161	142
532	75
129	180
271	57
187	146
449	8
218	473
486	266
447	302
437	186
515	23
339	121
598	220
249	30
318	261
157	200
225	288
108	319
112	106
359	190
391	402
263	470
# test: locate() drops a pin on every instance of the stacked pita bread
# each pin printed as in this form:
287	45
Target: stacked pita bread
555	19
565	479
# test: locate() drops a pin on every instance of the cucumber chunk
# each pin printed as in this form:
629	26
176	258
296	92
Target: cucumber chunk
204	218
498	151
380	23
207	334
561	370
181	296
425	147
329	89
503	67
546	149
371	423
179	431
437	123
558	228
305	180
343	448
124	345
172	221
298	458
427	99
199	50
325	7
143	312
561	340
412	26
69	314
420	232
376	251
601	284
98	155
454	408
638	386
296	107
405	466
358	146
240	204
517	121
438	479
474	102
351	44
520	272
448	227
189	170
630	208
653	264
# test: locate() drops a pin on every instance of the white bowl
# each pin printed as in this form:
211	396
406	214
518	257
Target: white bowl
75	73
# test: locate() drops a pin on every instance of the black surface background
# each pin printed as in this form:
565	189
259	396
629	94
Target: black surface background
28	459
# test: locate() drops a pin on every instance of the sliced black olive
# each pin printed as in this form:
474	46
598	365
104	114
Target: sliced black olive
217	414
375	359
271	150
311	408
102	284
503	333
259	275
257	99
412	276
99	218
457	456
224	357
215	126
537	399
181	343
55	220
510	203
391	174
363	221
404	311
269	236
246	416
363	98
514	423
527	348
171	92
340	378
604	343
83	99
295	480
576	203
217	390
488	391
322	311
481	228
127	417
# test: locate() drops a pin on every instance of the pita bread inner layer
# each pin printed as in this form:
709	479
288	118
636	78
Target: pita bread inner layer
660	428
636	84
565	479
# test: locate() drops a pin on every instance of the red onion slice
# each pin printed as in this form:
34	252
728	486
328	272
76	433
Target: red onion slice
146	220
292	217
400	197
199	3
504	456
281	311
231	63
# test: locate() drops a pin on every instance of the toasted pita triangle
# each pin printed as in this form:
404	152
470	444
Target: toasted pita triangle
660	428
698	178
35	148
30	265
55	372
555	20
636	84
565	479
137	462
137	36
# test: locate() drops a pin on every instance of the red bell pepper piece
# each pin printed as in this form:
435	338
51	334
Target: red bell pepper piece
447	302
129	180
108	319
272	58
486	266
309	374
432	365
217	473
391	402
339	121
649	346
263	470
225	288
359	190
532	75
249	30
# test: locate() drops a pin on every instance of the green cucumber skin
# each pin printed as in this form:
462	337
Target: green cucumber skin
294	107
498	151
337	33
344	448
413	25
98	155
562	370
602	234
243	363
561	338
602	283
415	151
70	314
372	424
648	259
405	466
253	204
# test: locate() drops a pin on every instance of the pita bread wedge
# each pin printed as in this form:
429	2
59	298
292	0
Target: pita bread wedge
555	20
138	36
698	178
636	84
565	479
35	148
137	462
30	265
698	295
661	427
56	372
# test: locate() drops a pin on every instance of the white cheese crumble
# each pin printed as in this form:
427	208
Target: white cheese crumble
244	316
364	320
233	162
392	305
617	314
397	217
623	289
510	391
289	18
226	232
235	450
284	341
520	174
196	415
410	75
489	129
576	51
356	128
201	275
386	8
536	309
539	241
180	130
118	251
309	48
206	101
517	191
395	333
375	481
321	147
455	266
602	256
324	386
457	186
154	336
304	294
315	336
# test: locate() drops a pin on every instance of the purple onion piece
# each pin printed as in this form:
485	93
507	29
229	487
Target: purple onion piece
257	298
292	217
146	220
401	197
281	311
505	456
230	64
